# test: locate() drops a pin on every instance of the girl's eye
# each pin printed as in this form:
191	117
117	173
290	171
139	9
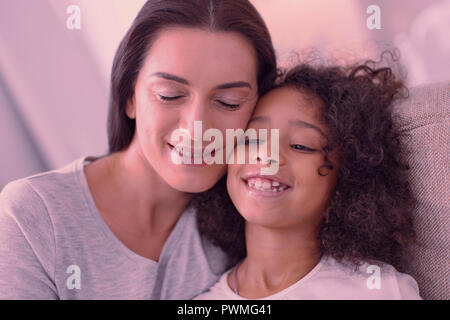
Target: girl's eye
228	105
300	147
251	141
169	98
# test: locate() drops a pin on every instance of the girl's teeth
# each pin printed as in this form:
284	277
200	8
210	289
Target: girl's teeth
265	185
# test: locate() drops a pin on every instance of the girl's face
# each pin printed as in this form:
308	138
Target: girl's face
191	75
297	195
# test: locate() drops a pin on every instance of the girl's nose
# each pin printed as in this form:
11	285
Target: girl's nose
264	159
268	152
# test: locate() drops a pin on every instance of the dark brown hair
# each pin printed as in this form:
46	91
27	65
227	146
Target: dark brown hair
369	215
216	15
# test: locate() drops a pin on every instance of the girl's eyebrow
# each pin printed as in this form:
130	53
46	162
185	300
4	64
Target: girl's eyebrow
303	124
297	123
229	85
259	119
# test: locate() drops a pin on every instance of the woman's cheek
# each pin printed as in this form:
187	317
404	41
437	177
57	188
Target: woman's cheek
233	179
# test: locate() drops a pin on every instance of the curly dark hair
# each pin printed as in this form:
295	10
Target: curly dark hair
369	216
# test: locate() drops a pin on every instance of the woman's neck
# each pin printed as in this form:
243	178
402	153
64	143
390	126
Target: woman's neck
276	259
127	188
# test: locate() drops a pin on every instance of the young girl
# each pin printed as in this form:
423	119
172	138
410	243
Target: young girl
119	226
333	222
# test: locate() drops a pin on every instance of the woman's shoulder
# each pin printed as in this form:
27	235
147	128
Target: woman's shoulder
36	193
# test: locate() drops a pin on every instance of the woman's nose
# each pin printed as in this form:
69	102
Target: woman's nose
194	117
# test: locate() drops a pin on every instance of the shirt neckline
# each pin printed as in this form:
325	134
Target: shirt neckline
109	236
278	295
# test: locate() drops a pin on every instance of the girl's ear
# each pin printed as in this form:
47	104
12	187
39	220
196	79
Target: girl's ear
130	108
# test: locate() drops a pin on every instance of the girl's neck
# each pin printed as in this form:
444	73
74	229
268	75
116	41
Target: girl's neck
276	259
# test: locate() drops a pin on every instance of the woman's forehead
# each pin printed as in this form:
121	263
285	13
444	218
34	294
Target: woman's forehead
197	54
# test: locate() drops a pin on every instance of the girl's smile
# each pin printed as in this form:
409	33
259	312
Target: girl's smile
265	186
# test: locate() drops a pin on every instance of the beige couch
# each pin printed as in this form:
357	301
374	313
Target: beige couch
424	119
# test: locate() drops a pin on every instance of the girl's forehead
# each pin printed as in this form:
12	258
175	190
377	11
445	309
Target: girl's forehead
287	104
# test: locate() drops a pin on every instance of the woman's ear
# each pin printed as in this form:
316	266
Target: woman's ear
130	108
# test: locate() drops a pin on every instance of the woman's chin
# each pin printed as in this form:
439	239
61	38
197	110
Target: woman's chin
192	185
193	179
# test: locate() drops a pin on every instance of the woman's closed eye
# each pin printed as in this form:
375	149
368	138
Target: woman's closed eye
299	147
169	97
176	97
228	105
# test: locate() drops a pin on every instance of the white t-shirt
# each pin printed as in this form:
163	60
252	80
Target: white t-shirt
332	280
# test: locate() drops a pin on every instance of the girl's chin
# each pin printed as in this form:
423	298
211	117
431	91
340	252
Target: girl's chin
265	218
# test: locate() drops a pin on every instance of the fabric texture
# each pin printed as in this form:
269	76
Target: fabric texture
332	280
424	120
54	244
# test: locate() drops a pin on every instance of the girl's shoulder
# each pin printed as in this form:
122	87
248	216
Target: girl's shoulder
369	280
220	290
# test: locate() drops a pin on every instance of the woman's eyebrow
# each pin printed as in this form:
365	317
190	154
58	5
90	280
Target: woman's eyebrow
229	85
171	77
303	124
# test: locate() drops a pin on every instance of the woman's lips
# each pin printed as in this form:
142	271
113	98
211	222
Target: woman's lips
185	153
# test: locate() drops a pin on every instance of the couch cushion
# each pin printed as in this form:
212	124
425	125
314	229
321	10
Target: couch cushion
424	120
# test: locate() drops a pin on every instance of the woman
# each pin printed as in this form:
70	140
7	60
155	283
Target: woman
334	221
120	226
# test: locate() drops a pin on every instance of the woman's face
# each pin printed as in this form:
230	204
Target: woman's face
297	195
191	75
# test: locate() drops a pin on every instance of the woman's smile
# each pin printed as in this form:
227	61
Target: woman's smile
190	156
